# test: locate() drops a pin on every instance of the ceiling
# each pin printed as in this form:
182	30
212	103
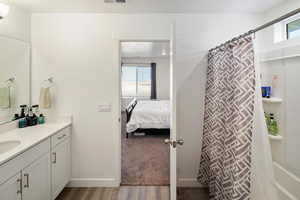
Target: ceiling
148	6
145	49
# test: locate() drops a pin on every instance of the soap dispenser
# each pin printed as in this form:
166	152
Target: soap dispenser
35	114
23	110
29	117
22	117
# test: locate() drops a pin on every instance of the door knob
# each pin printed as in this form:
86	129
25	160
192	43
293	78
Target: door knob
174	143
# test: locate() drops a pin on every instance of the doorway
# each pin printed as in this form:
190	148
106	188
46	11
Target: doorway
145	93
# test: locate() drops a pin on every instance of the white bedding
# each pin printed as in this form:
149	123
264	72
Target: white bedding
150	114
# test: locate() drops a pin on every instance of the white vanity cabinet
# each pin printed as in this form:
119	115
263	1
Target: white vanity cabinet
40	172
11	189
61	161
36	180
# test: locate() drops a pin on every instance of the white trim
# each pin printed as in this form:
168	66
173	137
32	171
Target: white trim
287	182
93	182
173	122
117	63
189	182
284	194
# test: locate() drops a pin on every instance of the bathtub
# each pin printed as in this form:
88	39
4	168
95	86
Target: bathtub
288	184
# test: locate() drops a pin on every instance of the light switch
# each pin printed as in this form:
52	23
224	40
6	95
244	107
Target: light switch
104	108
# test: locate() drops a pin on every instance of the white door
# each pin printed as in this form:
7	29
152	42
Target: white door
36	180
11	189
61	170
174	141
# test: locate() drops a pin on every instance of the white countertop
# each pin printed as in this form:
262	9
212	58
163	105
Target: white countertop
29	137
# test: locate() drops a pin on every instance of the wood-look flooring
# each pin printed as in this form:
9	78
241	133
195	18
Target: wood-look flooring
131	193
122	193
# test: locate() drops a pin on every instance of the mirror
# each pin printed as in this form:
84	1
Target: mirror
14	77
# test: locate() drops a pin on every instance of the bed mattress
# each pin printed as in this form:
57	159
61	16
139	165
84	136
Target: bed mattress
150	114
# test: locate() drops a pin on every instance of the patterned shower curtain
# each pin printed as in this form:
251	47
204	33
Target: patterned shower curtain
225	165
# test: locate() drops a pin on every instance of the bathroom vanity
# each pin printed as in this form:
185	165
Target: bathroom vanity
35	162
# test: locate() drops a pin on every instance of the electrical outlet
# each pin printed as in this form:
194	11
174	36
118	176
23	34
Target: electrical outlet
104	108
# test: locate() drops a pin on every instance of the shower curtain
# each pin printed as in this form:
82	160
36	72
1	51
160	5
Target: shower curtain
234	136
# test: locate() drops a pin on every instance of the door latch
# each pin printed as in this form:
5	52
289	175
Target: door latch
174	143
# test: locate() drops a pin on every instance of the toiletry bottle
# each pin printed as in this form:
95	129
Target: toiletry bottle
29	117
22	123
23	109
267	118
271	115
275	80
35	115
268	92
41	119
273	126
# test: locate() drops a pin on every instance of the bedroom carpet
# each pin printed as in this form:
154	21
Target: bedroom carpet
145	159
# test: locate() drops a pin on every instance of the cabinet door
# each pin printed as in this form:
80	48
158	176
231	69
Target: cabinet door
11	190
61	167
36	180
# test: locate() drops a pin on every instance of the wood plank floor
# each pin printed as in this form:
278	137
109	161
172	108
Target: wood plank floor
131	193
123	193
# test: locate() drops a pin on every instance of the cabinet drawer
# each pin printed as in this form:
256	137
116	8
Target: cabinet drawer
60	136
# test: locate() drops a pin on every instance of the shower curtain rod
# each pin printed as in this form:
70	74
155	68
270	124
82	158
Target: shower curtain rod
266	25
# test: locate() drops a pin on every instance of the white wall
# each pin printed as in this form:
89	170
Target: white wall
16	24
77	49
162	74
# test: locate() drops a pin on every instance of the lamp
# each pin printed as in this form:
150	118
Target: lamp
4	9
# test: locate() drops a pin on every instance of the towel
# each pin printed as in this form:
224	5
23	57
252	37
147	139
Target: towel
4	97
45	98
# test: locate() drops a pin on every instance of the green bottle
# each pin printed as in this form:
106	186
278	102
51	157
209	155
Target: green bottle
273	126
41	119
267	117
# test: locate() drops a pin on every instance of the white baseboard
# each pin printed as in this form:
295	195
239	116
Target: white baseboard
110	182
189	182
93	182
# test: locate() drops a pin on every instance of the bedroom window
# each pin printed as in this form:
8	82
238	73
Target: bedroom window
136	81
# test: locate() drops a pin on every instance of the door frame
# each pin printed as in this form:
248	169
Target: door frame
173	96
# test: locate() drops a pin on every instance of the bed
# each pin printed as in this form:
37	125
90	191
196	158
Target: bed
148	116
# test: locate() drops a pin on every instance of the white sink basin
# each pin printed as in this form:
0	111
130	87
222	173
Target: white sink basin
8	145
